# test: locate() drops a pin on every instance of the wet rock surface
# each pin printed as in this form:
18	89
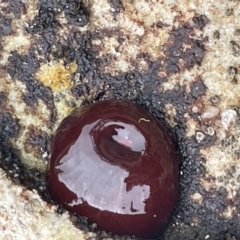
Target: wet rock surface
183	51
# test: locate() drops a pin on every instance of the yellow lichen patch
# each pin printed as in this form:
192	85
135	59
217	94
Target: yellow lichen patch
56	75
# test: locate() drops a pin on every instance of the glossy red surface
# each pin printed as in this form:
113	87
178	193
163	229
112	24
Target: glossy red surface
114	163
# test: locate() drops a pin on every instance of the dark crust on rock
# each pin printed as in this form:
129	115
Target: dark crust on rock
200	21
9	157
37	141
21	68
9	127
14	7
6	28
235	49
198	88
178	48
117	5
76	13
46	21
141	88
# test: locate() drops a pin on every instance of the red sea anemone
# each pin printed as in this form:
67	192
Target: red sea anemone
114	163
